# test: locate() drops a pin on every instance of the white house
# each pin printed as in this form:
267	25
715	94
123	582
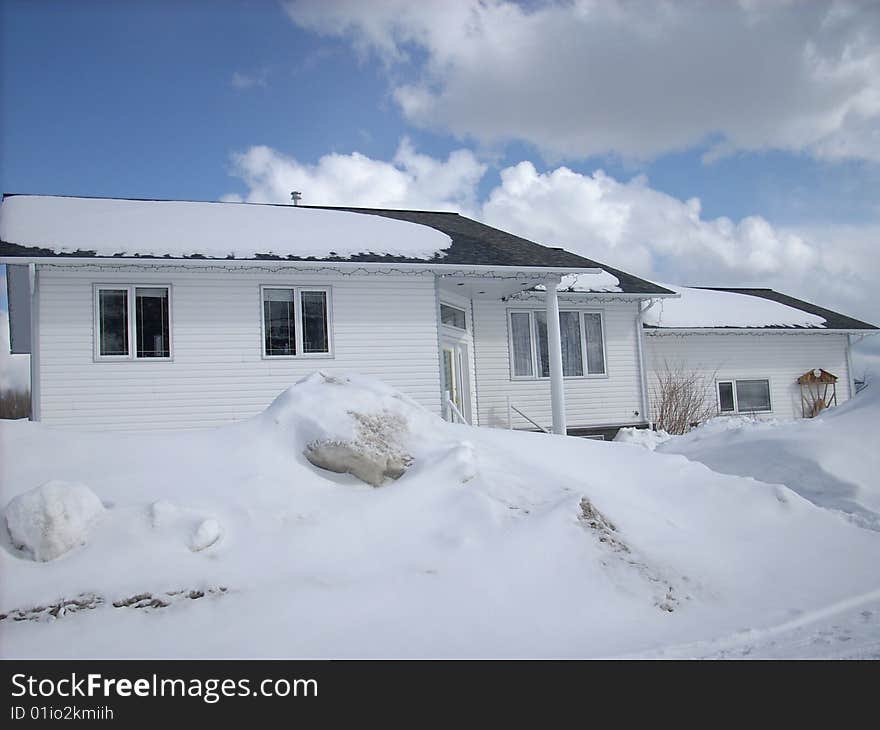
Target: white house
147	314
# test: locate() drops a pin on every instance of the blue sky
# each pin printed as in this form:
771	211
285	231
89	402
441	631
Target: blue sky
247	98
136	99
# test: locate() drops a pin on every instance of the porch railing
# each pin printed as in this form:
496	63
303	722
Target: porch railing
454	409
510	411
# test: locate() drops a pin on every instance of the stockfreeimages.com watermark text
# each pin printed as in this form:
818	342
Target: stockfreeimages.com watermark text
212	690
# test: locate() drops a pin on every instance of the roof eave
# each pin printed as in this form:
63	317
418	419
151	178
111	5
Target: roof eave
652	329
378	266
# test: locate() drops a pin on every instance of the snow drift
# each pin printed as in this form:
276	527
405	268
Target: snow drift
830	460
490	543
52	519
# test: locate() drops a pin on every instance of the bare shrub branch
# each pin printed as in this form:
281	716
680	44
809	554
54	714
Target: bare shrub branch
681	398
15	404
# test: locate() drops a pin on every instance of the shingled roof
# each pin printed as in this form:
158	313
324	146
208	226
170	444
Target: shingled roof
472	244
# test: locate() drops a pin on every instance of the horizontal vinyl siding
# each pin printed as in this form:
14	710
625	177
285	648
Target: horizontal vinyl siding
781	358
588	401
381	325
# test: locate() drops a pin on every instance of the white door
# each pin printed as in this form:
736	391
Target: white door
455	379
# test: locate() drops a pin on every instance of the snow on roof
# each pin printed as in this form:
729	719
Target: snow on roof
711	308
215	230
597	281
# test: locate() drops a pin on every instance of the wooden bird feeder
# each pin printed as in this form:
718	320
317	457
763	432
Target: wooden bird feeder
818	392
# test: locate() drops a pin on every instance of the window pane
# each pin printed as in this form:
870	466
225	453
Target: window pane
595	348
314	314
572	356
753	395
521	337
151	318
725	397
453	316
543	349
113	321
278	322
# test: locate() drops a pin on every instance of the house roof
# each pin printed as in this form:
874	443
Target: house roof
744	308
62	226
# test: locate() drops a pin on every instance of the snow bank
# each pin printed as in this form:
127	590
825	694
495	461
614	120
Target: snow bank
51	520
214	230
355	425
828	460
491	543
642	437
709	308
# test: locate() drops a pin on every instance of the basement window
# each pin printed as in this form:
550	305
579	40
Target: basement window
296	322
744	396
132	322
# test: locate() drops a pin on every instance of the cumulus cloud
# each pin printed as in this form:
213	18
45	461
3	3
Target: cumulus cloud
627	224
636	78
410	179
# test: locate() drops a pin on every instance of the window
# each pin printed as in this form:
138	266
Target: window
296	322
453	316
583	348
752	395
744	396
726	403
521	344
133	319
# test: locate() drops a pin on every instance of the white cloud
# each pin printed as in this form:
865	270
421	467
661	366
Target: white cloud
627	224
243	81
636	78
410	179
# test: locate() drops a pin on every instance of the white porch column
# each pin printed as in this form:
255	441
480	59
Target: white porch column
554	346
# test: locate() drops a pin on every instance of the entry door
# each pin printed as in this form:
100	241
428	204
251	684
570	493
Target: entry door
455	380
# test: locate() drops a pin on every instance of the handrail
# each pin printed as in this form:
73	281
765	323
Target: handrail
455	410
511	407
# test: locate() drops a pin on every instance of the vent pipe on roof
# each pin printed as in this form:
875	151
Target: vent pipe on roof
296	196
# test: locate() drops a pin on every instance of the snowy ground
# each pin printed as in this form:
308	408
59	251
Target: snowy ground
833	460
231	543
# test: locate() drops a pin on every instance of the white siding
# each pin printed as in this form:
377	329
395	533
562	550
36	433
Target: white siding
594	401
381	325
779	357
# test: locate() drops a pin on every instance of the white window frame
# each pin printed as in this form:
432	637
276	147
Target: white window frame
297	313
132	339
736	411
533	331
452	327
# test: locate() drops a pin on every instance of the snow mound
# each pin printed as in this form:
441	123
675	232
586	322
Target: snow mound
355	425
206	534
642	437
826	460
52	519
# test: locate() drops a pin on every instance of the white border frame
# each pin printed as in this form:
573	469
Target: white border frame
132	340
533	332
297	313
